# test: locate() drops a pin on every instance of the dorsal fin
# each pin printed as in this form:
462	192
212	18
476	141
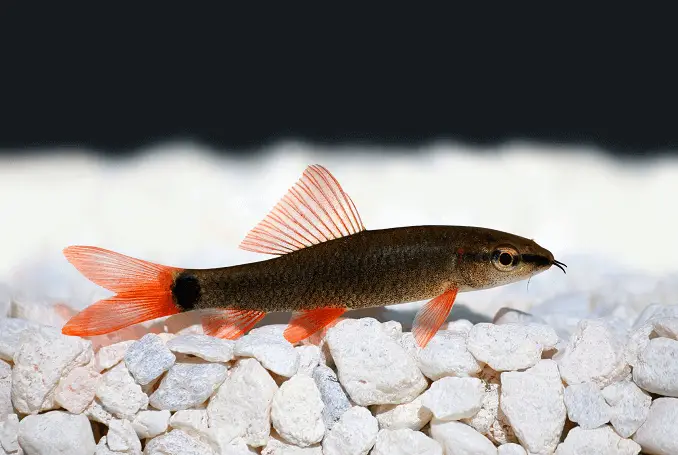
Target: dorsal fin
316	209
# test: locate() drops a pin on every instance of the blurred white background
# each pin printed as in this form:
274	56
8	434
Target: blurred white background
613	223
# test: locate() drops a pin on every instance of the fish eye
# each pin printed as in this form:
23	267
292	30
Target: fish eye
505	258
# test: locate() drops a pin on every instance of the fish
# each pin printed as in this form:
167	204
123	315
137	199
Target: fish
325	263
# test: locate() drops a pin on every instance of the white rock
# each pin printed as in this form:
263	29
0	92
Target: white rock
505	347
309	358
454	398
5	300
629	406
244	401
666	327
405	442
190	420
149	424
206	347
659	434
501	431
654	312
544	335
296	411
460	439
445	355
148	358
76	390
96	412
332	393
354	434
276	446
119	394
593	354
657	368
10	334
365	358
394	329
586	405
122	437
166	337
102	447
109	356
5	389
483	420
639	338
9	433
269	347
599	441
235	446
56	433
176	442
221	440
187	385
511	449
460	326
42	359
412	415
532	402
507	315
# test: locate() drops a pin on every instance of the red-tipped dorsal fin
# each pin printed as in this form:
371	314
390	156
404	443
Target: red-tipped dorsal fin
230	323
305	323
316	209
144	291
431	316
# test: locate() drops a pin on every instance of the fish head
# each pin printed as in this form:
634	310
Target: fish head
500	258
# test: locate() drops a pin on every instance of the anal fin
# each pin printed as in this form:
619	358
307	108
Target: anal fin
431	316
230	323
305	323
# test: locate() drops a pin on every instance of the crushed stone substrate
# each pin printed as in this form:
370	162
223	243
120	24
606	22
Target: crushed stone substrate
513	386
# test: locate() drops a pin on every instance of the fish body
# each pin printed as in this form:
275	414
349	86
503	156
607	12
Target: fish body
366	269
327	263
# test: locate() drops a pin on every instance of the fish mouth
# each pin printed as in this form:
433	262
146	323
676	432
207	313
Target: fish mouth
543	261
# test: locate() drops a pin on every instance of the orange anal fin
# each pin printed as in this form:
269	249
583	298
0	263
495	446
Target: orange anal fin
316	209
306	323
230	323
144	291
318	336
118	312
431	316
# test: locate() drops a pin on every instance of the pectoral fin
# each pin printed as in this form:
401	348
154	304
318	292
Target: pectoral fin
431	316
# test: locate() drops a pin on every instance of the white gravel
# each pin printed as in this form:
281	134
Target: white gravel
501	388
454	398
365	357
412	415
209	348
586	405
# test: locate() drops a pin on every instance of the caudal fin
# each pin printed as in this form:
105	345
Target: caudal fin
144	291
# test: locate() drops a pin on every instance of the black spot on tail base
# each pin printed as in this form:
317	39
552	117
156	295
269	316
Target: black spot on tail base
186	291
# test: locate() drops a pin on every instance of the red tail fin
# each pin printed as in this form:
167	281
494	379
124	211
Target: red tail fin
144	291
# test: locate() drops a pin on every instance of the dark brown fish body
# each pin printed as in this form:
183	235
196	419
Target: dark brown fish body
366	269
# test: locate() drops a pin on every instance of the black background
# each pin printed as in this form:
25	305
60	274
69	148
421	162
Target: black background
114	80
